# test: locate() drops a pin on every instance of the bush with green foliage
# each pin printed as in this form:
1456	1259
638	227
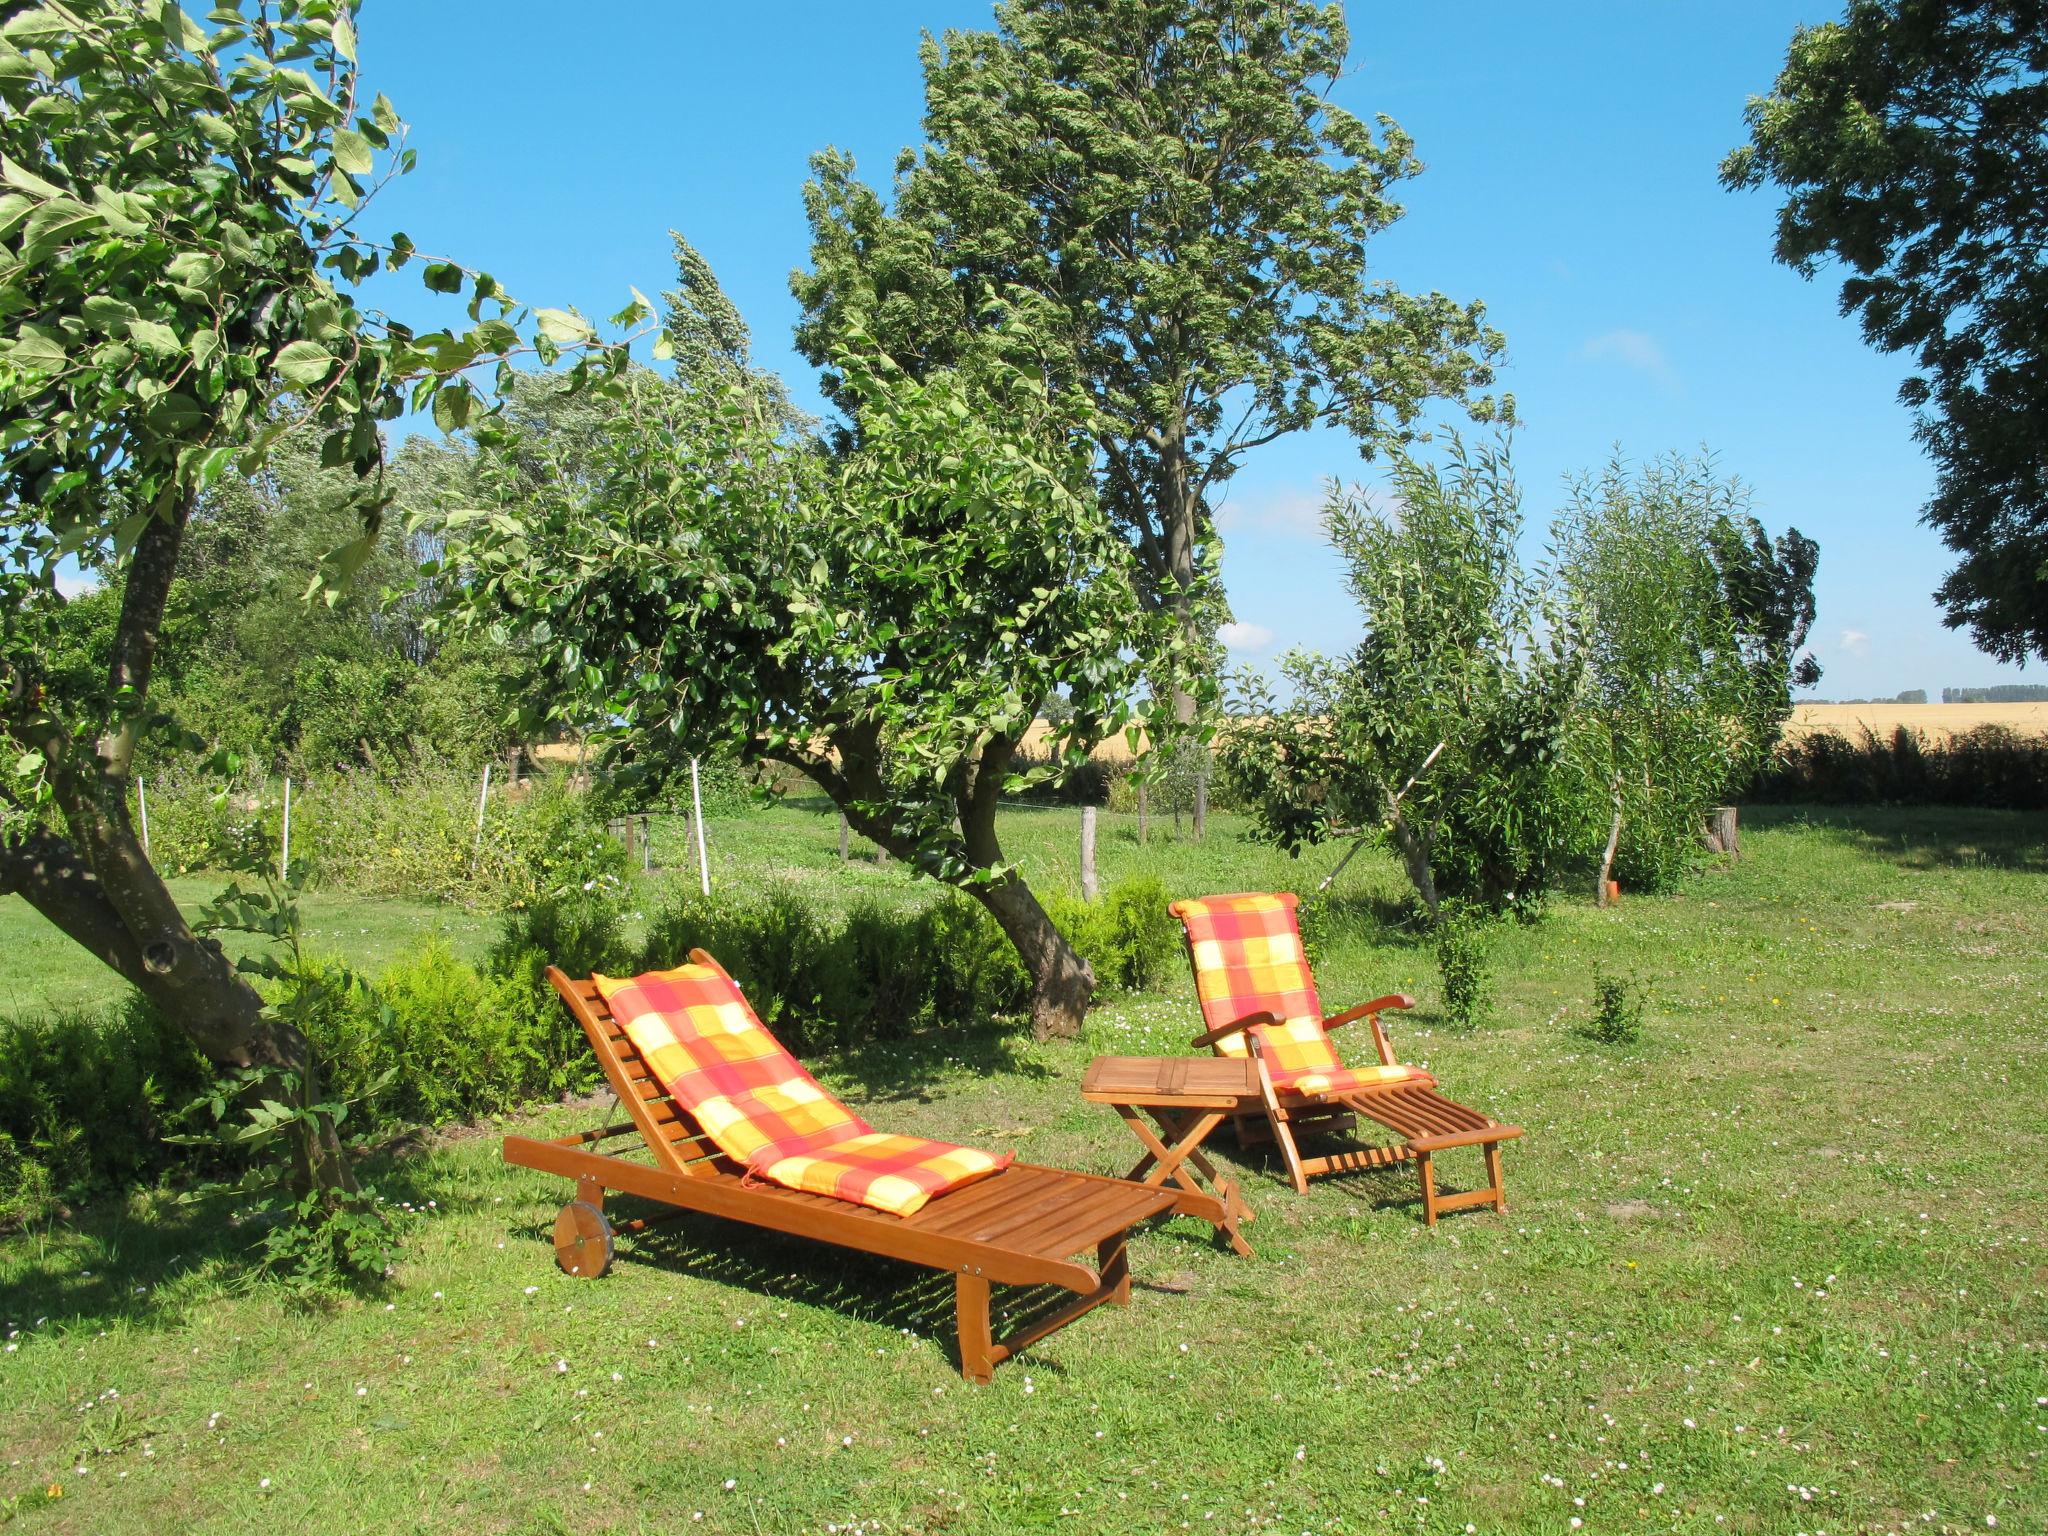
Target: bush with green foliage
1128	937
410	833
1676	717
85	1101
1617	1009
1462	936
1991	765
1446	731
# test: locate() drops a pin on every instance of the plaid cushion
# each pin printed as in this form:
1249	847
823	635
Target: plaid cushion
1248	959
705	1046
709	1051
891	1173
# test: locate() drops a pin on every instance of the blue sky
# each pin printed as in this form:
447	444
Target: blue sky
1571	156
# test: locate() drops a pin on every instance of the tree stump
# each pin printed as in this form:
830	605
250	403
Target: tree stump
1723	836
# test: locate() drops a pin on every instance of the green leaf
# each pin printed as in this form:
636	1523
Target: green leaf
442	277
452	406
560	325
53	226
38	349
344	36
304	364
157	339
35	29
352	152
17	175
107	314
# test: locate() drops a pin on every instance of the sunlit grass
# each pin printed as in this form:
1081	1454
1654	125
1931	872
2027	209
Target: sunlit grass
1777	1269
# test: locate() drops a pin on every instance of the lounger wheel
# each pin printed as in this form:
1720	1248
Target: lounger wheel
583	1240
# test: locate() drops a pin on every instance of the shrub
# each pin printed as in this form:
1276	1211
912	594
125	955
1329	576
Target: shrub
1617	1009
457	1050
878	981
974	969
85	1100
581	934
409	832
1461	942
1991	765
1128	938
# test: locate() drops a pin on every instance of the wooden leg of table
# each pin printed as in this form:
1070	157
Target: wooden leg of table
970	1303
1113	1264
1500	1193
1428	1172
1156	1153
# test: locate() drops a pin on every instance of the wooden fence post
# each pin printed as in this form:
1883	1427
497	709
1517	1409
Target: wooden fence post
1089	889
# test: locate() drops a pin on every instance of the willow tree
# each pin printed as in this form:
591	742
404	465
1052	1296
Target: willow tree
1170	180
179	268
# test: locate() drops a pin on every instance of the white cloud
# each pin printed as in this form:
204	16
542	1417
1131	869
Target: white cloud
1634	349
72	582
1855	642
1282	514
1245	637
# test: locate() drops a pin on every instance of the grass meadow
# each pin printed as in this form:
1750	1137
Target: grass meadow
1778	1268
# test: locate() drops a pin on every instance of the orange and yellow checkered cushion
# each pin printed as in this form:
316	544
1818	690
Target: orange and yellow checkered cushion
1248	959
708	1050
891	1173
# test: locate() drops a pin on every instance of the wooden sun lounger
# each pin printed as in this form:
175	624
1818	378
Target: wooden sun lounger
1416	1110
1021	1226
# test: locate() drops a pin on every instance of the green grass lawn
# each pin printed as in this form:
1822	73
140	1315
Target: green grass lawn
46	972
1780	1268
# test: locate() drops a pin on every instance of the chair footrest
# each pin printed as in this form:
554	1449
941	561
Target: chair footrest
1466	1138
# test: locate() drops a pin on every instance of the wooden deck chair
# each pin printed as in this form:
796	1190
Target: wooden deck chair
1020	1225
1259	998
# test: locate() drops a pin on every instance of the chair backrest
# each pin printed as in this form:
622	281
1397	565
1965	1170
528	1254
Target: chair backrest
1248	959
708	1049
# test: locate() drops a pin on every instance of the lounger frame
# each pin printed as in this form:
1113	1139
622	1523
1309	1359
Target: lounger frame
1022	1226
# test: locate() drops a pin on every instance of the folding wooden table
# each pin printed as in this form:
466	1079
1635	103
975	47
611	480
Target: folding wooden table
1189	1096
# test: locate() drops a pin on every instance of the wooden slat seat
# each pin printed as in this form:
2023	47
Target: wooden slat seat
1244	996
1021	1226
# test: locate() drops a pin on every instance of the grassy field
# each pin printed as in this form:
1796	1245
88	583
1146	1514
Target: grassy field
1779	1268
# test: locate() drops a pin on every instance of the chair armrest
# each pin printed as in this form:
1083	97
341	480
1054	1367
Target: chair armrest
1365	1010
1225	1031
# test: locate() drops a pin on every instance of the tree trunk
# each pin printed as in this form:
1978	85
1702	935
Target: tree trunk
1723	836
1601	897
1089	888
99	888
189	980
1414	848
1144	830
1061	981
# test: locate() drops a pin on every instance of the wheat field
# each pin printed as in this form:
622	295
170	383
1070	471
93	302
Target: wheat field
1937	722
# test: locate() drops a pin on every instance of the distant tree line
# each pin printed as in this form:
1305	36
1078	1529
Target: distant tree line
1997	693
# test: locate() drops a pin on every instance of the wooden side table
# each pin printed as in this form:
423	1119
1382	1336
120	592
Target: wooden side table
1189	1096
